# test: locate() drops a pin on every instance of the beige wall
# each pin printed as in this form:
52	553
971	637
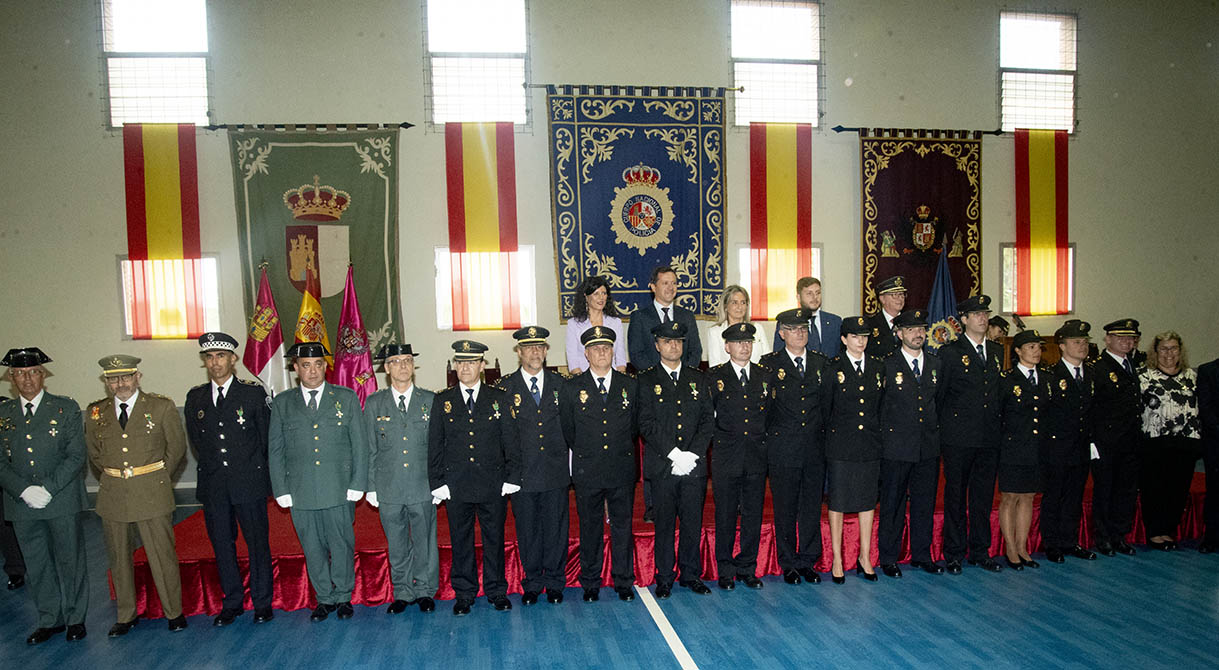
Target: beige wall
1143	204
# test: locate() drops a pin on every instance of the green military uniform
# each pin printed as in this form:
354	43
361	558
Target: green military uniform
47	449
136	487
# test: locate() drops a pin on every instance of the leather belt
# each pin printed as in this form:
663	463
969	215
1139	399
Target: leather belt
129	472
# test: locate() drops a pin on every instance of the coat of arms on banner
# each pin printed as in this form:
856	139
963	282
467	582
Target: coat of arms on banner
322	244
641	214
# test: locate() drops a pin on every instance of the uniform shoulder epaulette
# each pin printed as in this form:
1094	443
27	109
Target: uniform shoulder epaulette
150	394
764	367
249	382
930	352
501	383
199	386
717	367
99	403
1006	372
644	372
814	352
631	375
836	359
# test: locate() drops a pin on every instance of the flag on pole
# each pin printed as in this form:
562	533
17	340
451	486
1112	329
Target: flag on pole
352	359
1043	255
264	346
780	213
310	323
942	308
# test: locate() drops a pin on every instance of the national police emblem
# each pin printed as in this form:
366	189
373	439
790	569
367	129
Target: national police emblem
641	214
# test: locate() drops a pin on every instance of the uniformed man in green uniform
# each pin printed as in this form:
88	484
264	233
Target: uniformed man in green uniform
136	440
42	473
318	455
397	421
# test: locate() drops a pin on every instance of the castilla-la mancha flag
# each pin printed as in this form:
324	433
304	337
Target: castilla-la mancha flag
264	346
310	322
352	359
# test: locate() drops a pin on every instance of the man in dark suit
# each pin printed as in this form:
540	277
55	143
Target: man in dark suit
676	424
969	442
891	293
1208	413
1065	454
823	326
599	413
474	462
318	456
227	420
1117	432
663	309
910	440
541	507
796	446
740	399
42	472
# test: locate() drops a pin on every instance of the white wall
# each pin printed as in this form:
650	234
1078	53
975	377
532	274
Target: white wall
1143	199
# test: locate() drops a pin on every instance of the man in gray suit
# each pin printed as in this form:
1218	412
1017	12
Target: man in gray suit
318	455
397	422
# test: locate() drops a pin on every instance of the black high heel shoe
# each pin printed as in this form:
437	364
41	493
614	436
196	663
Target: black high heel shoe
1015	565
870	576
838	579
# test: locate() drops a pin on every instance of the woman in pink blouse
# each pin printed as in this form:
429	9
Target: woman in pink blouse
594	307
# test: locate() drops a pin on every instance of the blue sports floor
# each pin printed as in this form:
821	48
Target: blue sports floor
1152	610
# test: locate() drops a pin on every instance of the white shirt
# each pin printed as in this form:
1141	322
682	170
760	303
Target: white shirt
803	357
1024	372
975	342
861	360
305	392
815	323
226	386
738	368
36	401
530	377
608	378
889	319
466	397
403	397
130	402
660	311
1120	360
669	371
911	359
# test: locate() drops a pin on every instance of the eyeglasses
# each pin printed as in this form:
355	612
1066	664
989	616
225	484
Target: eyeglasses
26	373
121	379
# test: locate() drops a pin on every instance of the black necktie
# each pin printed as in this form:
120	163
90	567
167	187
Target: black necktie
800	366
533	389
918	376
313	400
814	335
859	367
1129	368
122	415
219	395
402	403
470	400
1078	377
982	354
674	376
667	319
601	387
744	378
1032	377
29	410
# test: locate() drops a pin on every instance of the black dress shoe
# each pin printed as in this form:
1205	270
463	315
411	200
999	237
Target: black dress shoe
1105	548
870	576
76	632
121	628
1162	546
263	615
177	624
1081	553
838	580
792	577
1124	547
809	575
930	567
530	598
226	617
1015	565
953	567
1030	563
1172	545
698	587
554	597
1054	555
426	604
344	611
462	607
987	564
396	607
726	583
15	582
626	595
751	581
592	595
43	634
891	570
663	591
320	613
501	603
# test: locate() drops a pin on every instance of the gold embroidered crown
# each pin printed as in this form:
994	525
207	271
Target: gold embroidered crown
315	202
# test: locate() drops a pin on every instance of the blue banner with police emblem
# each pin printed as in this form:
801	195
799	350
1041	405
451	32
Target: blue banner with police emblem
637	181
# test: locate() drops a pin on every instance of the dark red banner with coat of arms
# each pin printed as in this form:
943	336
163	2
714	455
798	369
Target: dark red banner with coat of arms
922	191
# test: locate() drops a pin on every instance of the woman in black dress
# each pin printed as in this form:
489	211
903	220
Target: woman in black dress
1024	396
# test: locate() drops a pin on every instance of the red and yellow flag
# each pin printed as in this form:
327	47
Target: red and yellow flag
480	164
1043	261
162	189
780	213
310	322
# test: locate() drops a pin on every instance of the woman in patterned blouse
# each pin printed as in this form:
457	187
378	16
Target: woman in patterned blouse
1172	443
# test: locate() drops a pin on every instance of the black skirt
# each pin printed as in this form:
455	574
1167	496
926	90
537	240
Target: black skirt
1019	478
854	485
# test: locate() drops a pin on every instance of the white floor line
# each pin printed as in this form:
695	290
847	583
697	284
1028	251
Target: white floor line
666	629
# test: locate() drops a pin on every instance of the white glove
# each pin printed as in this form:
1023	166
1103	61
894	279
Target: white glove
354	495
284	501
371	497
684	462
441	494
36	497
681	469
508	489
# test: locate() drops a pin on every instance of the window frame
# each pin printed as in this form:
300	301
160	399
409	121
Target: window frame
1010	247
1073	74
745	268
818	63
527	265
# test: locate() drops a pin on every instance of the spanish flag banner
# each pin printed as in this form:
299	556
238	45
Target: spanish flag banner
162	191
780	213
480	164
1043	260
310	322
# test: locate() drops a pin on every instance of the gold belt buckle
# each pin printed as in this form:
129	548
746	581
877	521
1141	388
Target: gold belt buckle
128	472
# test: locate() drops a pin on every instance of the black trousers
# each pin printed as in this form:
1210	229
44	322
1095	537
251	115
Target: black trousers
1115	489
796	495
541	534
738	495
1211	509
14	563
678	498
969	496
917	482
222	519
1167	470
590	505
464	573
1062	503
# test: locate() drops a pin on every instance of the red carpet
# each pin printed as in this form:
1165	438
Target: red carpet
201	588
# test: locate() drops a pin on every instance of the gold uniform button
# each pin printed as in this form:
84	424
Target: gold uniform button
471	459
746	432
316	451
679	426
540	436
315	425
222	436
316	438
746	420
605	447
471	446
1034	419
604	421
861	426
30	449
224	451
224	463
404	451
124	450
29	437
406	465
125	463
860	388
32	462
1034	431
404	438
539	424
471	433
124	436
861	414
861	400
317	462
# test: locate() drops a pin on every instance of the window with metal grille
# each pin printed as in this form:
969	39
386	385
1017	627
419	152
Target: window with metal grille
1037	70
476	59
776	58
491	272
170	299
1009	284
155	61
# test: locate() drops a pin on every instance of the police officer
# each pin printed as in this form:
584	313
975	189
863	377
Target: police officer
969	428
474	462
226	422
397	420
910	439
135	439
795	446
891	292
1065	455
1116	429
676	424
42	474
740	398
542	506
318	455
1023	398
598	410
